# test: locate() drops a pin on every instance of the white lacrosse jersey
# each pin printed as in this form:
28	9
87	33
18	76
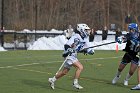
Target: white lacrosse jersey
83	43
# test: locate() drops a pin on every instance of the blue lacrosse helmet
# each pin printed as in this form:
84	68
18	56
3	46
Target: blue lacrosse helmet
133	26
134	33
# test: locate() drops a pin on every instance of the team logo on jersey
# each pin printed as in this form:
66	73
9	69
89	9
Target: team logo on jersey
76	41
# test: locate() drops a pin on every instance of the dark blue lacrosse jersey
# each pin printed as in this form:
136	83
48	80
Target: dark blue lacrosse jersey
132	48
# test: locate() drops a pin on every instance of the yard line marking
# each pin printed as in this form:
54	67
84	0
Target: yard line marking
21	65
28	64
2	67
102	58
30	70
82	78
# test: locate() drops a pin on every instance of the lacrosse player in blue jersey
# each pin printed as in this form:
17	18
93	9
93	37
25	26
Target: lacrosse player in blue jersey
77	43
132	48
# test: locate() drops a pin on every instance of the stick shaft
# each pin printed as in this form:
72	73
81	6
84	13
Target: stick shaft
101	45
61	65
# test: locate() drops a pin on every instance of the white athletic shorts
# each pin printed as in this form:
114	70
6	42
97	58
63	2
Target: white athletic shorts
70	60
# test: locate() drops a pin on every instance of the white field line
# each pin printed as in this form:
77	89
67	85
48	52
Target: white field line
31	70
21	65
41	72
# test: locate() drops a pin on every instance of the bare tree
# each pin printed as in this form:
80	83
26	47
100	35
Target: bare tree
21	14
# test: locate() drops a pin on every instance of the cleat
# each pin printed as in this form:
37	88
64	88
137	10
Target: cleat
136	88
77	86
126	82
114	81
51	83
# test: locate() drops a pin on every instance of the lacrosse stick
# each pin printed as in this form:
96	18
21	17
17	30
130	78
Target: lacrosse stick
61	65
101	45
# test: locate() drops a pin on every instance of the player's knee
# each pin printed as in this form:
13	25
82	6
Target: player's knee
81	68
119	69
131	73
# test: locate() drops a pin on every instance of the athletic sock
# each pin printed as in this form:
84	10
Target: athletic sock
54	79
128	76
75	81
139	85
118	73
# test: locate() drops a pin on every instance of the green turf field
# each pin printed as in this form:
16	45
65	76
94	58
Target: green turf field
28	72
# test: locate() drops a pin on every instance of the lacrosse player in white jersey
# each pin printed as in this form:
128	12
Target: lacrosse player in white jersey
77	43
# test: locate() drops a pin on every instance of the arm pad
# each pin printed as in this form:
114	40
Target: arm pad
68	51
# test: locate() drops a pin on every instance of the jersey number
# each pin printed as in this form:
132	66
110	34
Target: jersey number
135	48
